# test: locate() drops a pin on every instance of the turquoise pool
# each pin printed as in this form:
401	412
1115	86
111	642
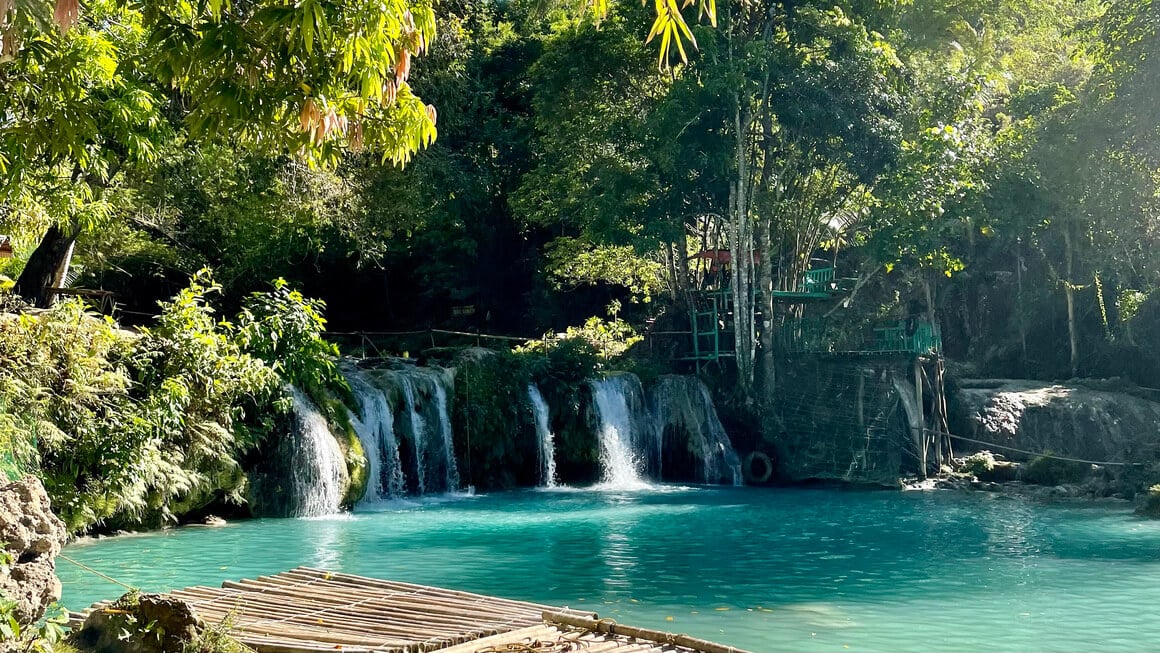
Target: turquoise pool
768	570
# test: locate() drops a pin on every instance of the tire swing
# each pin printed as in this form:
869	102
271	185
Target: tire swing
758	468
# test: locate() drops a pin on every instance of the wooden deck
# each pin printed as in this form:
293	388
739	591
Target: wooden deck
308	610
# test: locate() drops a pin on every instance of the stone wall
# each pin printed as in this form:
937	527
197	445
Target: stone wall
840	419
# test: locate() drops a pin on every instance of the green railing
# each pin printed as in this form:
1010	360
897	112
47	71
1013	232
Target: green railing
819	280
824	337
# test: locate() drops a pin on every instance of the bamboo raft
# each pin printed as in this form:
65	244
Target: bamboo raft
307	610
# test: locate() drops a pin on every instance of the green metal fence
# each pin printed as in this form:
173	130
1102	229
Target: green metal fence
825	337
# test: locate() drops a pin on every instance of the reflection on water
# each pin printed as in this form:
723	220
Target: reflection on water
801	570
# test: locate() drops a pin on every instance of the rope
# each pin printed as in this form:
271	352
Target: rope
1042	454
425	332
94	571
562	645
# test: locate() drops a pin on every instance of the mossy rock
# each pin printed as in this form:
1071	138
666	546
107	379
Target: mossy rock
1049	470
986	467
1149	506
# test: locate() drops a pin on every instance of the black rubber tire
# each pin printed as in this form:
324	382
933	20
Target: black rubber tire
765	463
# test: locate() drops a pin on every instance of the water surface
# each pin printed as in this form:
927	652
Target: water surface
766	570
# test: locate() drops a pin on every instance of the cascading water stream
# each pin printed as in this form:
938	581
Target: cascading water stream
319	473
720	458
375	426
544	435
446	436
683	405
418	433
616	432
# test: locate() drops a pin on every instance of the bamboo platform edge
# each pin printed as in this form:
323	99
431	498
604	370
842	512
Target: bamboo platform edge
339	611
659	636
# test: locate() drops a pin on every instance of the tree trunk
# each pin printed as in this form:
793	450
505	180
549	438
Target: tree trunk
741	246
1069	291
765	296
684	275
47	266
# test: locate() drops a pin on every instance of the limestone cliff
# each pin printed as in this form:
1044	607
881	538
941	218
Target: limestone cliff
31	537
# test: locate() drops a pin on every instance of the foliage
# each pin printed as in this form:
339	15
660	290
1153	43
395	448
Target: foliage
1150	506
47	636
570	264
604	340
137	427
65	386
1050	470
979	463
216	638
284	329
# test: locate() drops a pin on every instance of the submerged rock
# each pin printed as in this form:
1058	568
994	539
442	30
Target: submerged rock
32	537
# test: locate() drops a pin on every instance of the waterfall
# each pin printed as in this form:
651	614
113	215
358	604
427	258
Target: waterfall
698	449
617	431
446	439
545	437
375	426
319	471
722	463
418	432
404	425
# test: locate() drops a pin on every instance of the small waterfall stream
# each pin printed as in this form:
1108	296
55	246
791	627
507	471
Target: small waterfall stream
617	431
544	436
375	426
683	409
417	433
319	473
404	424
447	438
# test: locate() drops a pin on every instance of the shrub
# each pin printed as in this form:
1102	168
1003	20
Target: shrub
130	428
1150	506
979	462
284	329
1049	470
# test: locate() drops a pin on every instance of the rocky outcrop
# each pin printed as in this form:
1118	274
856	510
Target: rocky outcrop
31	537
1076	422
141	623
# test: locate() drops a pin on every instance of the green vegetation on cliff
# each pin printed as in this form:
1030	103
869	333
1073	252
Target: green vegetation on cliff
132	428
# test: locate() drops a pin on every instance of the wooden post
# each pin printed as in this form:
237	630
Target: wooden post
936	417
922	450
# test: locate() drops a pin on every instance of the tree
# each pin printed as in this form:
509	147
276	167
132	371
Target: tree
120	81
811	95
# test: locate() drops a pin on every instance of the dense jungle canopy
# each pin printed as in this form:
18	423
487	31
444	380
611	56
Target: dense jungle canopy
523	167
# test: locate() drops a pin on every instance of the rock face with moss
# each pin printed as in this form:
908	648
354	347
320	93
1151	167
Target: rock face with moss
152	623
32	537
1076	422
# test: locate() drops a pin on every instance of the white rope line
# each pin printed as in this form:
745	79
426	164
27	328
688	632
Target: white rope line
1028	453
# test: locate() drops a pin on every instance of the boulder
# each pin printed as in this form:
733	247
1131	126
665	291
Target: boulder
31	537
140	623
